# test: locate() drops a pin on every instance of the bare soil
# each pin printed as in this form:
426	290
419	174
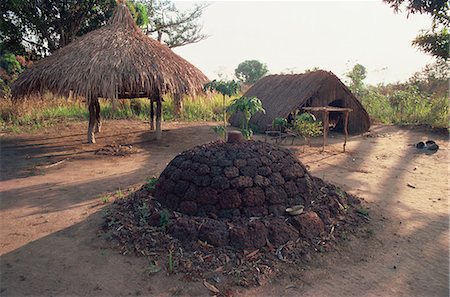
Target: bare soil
55	188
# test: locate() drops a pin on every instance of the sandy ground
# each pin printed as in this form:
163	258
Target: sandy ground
50	214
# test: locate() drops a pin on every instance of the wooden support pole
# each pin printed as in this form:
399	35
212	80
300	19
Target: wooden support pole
98	123
92	120
325	128
345	128
158	119
152	115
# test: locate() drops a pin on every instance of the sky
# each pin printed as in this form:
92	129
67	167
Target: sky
297	35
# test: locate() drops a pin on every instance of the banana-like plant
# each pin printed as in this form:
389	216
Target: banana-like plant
248	106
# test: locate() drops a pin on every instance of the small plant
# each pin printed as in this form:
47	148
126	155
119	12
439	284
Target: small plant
279	124
119	194
219	130
248	106
170	264
164	219
307	126
105	199
150	183
143	212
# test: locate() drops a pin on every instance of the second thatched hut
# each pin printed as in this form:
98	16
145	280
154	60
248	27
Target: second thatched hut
284	94
117	61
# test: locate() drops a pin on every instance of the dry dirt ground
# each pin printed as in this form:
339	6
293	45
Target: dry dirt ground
51	212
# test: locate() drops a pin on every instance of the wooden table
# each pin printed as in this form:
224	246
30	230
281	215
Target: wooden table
325	110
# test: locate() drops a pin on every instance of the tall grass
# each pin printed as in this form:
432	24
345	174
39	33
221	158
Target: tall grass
407	107
37	113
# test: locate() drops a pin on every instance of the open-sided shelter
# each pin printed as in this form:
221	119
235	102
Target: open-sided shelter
283	94
116	61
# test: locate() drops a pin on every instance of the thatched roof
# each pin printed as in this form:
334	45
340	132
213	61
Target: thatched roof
282	94
115	61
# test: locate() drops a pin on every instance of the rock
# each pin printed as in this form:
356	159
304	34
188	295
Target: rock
202	181
230	199
253	197
214	232
207	196
281	232
309	224
261	181
264	171
183	229
240	163
203	169
277	210
241	182
220	183
188	207
276	195
276	179
231	172
291	188
248	171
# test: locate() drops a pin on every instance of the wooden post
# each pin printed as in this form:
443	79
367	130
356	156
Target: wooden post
345	128
325	129
178	102
92	120
158	119
98	123
152	115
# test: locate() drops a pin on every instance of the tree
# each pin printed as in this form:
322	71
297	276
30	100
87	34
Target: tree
436	40
226	88
250	71
248	106
40	27
356	76
173	27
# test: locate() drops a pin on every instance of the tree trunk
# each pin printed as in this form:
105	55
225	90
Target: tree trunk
152	114
98	123
92	120
158	119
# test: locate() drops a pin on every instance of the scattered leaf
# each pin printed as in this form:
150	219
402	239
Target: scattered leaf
211	287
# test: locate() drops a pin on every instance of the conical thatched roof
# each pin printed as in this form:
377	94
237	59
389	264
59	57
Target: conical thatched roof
115	61
282	94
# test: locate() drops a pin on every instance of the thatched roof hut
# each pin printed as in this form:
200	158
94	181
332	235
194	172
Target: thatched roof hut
283	94
115	61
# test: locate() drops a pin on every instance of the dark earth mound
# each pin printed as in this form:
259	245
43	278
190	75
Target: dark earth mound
218	203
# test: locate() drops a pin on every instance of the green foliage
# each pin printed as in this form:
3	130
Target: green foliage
435	43
226	88
248	106
306	126
356	76
164	219
436	40
139	12
150	183
250	71
41	27
279	123
219	130
143	212
9	62
174	27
